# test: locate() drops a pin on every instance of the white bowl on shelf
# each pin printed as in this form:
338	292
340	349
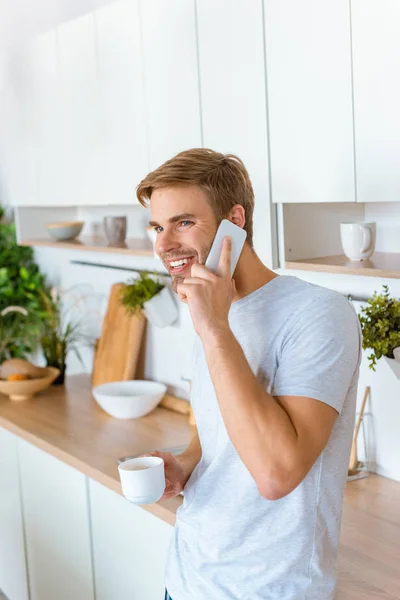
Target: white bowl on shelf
65	230
129	399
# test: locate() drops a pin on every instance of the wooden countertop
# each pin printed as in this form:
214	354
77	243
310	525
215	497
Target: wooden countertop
67	423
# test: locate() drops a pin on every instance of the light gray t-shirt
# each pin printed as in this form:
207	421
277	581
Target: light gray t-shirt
229	542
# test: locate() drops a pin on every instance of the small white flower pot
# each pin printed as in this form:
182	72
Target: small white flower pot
394	364
161	310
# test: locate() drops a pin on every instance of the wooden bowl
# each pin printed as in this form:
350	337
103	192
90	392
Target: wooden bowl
24	390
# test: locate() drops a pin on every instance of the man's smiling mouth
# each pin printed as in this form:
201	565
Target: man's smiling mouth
178	265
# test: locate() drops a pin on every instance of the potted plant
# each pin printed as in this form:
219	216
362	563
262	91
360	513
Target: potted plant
147	293
61	333
21	283
380	324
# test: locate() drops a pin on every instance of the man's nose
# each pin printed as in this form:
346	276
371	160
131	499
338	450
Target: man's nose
165	242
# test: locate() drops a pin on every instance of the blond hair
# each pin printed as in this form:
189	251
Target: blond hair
223	178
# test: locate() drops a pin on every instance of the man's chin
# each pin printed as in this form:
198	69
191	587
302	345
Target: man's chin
176	280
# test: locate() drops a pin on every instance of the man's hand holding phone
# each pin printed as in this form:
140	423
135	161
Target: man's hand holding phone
209	295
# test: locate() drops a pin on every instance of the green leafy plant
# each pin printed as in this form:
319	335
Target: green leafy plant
61	333
21	283
138	291
9	331
380	324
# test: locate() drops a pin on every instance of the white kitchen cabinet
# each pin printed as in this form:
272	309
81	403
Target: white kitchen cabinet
30	132
376	65
308	54
171	77
45	99
13	574
19	173
81	145
122	100
130	548
57	527
233	97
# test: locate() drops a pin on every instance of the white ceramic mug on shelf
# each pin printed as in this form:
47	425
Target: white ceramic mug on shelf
358	239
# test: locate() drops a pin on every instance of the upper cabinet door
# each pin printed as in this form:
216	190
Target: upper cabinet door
233	98
310	100
376	65
171	77
122	100
82	138
19	167
45	101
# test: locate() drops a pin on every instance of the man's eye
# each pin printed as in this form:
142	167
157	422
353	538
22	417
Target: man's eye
158	229
185	223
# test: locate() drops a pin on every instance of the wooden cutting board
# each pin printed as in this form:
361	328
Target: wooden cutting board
118	348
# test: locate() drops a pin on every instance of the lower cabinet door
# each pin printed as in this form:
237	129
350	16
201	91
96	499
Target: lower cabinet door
55	501
13	575
130	548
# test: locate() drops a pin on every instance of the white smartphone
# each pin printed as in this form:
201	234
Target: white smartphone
238	236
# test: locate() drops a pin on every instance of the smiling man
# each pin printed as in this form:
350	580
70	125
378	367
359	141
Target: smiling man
273	392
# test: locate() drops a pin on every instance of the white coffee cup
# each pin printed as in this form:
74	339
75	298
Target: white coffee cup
358	239
142	479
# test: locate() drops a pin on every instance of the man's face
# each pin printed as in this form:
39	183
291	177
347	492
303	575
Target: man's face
185	225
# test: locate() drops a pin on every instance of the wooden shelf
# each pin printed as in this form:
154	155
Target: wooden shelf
140	247
381	264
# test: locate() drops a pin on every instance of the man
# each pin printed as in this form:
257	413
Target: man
273	394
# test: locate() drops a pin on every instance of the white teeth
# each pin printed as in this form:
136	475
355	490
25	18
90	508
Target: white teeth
179	263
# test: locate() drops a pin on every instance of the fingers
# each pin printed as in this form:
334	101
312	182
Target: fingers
166	456
181	293
224	265
195	280
170	490
169	495
186	287
201	271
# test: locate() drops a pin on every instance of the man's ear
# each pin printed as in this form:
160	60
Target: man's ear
237	216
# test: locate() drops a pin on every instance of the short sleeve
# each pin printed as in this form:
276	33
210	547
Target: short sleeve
320	352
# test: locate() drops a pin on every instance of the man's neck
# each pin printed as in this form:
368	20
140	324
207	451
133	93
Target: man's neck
250	273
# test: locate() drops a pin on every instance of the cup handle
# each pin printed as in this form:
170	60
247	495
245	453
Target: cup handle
367	239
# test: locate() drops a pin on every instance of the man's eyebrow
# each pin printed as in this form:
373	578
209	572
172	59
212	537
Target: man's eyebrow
175	219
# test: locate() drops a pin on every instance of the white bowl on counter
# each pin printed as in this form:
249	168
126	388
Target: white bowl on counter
129	399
